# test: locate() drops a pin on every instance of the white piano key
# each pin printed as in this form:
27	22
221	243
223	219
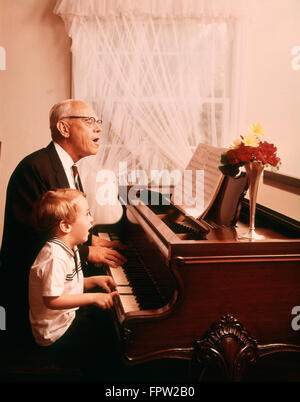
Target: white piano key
129	303
127	299
124	290
119	276
104	236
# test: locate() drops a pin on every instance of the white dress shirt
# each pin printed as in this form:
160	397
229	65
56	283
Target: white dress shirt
67	163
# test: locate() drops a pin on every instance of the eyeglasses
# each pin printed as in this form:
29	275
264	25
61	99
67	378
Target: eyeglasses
89	121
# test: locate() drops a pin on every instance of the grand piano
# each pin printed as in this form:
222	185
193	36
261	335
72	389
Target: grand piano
192	290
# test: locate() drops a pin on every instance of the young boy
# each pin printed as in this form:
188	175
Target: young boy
56	282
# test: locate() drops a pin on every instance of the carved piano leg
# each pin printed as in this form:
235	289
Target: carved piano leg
228	347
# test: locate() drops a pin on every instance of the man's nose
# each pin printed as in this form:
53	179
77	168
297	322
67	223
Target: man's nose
97	128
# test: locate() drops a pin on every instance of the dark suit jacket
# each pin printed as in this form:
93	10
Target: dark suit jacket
35	174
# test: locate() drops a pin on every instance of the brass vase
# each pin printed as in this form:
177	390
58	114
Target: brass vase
254	170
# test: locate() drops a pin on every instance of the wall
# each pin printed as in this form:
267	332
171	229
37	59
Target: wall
273	89
37	75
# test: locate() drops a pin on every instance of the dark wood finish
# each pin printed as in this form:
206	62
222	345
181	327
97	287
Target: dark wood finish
280	224
209	279
282	181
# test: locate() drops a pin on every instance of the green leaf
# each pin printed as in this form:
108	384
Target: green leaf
224	159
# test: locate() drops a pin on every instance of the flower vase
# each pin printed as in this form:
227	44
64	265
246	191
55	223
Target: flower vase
254	170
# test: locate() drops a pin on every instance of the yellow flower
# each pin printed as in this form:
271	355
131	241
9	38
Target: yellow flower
257	129
235	144
250	139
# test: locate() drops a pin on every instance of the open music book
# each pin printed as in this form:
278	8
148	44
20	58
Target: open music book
201	181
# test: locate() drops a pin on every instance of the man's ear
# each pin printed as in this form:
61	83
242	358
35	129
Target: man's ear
64	128
64	226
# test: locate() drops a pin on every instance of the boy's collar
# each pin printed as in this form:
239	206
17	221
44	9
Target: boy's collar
58	241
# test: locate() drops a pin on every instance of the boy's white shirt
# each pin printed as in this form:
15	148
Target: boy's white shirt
52	274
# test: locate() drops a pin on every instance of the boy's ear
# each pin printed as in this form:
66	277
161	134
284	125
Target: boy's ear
64	226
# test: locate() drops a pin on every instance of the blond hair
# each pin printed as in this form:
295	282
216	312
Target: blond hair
55	206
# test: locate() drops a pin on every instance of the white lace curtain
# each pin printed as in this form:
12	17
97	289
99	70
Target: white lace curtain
163	75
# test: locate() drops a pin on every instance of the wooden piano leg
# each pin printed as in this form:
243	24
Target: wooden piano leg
228	347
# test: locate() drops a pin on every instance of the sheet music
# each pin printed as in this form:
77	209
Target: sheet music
201	182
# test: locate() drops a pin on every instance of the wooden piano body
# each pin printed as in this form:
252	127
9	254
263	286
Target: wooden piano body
227	303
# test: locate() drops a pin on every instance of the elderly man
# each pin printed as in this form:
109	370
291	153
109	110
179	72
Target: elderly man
75	131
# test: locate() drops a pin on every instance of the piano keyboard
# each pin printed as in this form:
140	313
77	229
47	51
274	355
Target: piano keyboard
178	227
136	289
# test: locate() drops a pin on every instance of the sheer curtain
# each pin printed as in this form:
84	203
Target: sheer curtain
164	75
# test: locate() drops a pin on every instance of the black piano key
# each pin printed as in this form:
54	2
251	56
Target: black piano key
143	286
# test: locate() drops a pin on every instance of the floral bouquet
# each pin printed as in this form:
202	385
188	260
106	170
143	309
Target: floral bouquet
253	153
248	148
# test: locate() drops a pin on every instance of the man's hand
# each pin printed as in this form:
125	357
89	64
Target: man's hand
105	255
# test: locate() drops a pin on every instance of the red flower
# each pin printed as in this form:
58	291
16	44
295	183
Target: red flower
245	153
232	157
266	153
255	150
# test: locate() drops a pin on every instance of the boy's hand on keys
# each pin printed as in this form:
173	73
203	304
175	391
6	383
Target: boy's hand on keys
104	300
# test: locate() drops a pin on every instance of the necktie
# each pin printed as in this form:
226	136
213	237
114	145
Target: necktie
77	180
